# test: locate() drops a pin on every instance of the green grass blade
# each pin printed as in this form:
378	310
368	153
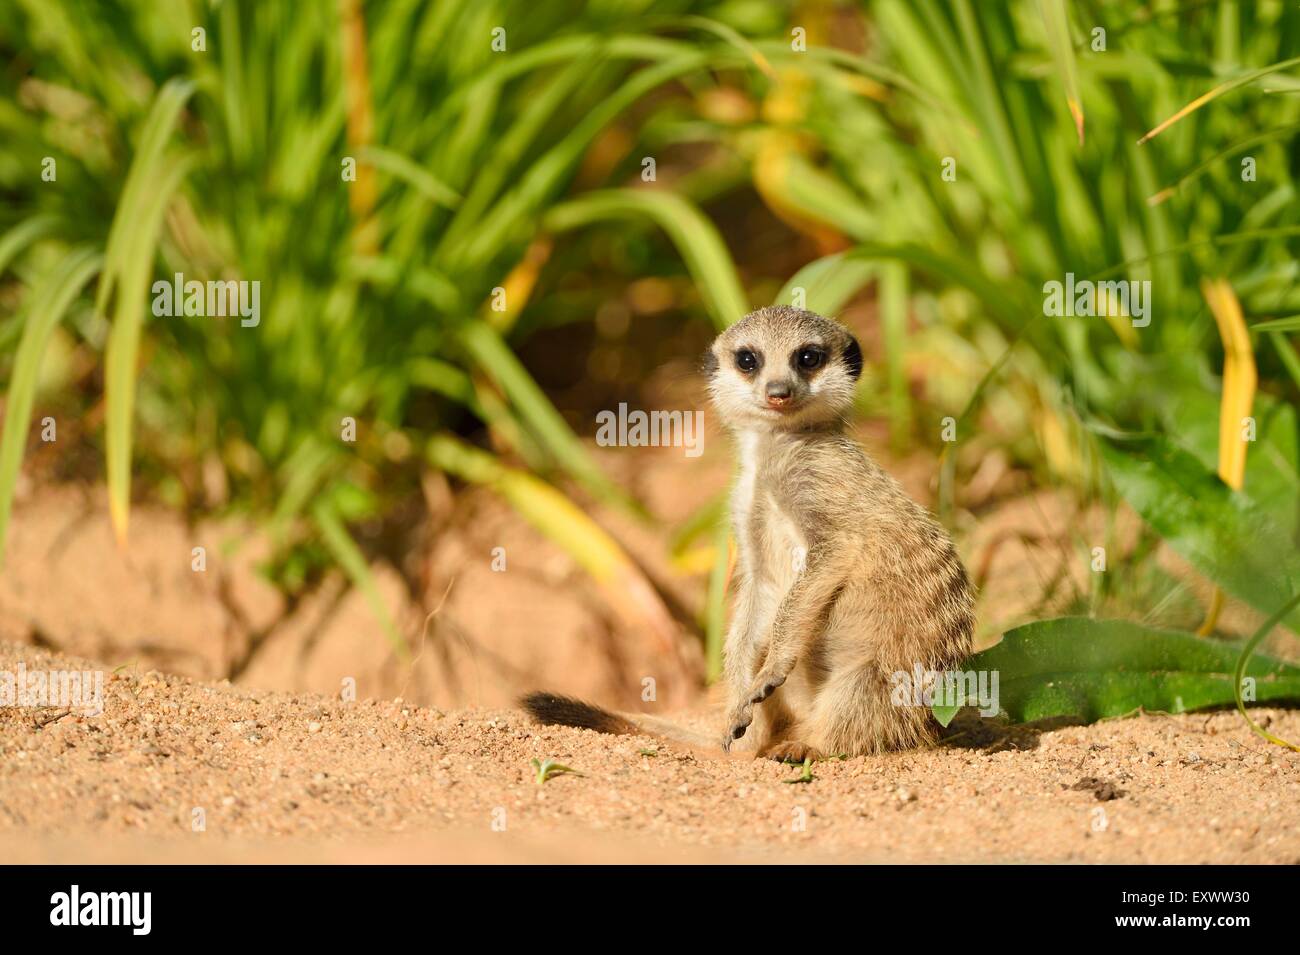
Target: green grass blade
730	35
353	562
696	239
1200	168
24	234
1061	46
543	179
306	470
1290	360
135	261
1289	324
715	611
45	309
398	166
1239	672
894	286
829	283
144	174
1232	84
491	354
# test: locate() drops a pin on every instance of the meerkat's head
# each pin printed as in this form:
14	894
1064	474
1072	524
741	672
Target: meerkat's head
783	368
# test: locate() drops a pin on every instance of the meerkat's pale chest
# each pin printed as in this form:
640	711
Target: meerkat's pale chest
772	548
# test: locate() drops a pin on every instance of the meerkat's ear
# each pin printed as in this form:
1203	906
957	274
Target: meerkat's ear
853	357
708	363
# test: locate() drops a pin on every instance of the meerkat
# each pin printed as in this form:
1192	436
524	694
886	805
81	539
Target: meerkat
841	580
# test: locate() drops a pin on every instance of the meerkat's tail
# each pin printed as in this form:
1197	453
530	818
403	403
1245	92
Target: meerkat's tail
551	709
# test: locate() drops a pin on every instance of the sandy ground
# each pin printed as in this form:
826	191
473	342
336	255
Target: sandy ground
282	777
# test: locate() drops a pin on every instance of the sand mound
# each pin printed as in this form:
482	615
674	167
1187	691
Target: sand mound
180	770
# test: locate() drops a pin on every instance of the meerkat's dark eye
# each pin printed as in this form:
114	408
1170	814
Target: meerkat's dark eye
810	358
746	360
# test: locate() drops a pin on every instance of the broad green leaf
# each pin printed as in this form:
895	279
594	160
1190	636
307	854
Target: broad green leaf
1272	459
1224	534
1094	669
945	713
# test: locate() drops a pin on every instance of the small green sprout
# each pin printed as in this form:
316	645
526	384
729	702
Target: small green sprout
545	770
805	777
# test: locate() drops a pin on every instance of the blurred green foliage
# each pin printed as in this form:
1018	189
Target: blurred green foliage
476	166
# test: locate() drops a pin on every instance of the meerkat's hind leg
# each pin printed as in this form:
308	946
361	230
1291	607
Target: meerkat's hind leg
854	715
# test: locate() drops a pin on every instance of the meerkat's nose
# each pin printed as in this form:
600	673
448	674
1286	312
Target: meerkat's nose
778	393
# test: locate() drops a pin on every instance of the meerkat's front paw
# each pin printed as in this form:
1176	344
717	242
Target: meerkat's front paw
737	722
765	684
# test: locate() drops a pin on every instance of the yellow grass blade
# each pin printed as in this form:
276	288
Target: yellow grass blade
519	284
1215	93
360	121
1239	382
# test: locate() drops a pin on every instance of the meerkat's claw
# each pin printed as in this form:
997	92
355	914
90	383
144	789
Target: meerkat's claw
792	752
